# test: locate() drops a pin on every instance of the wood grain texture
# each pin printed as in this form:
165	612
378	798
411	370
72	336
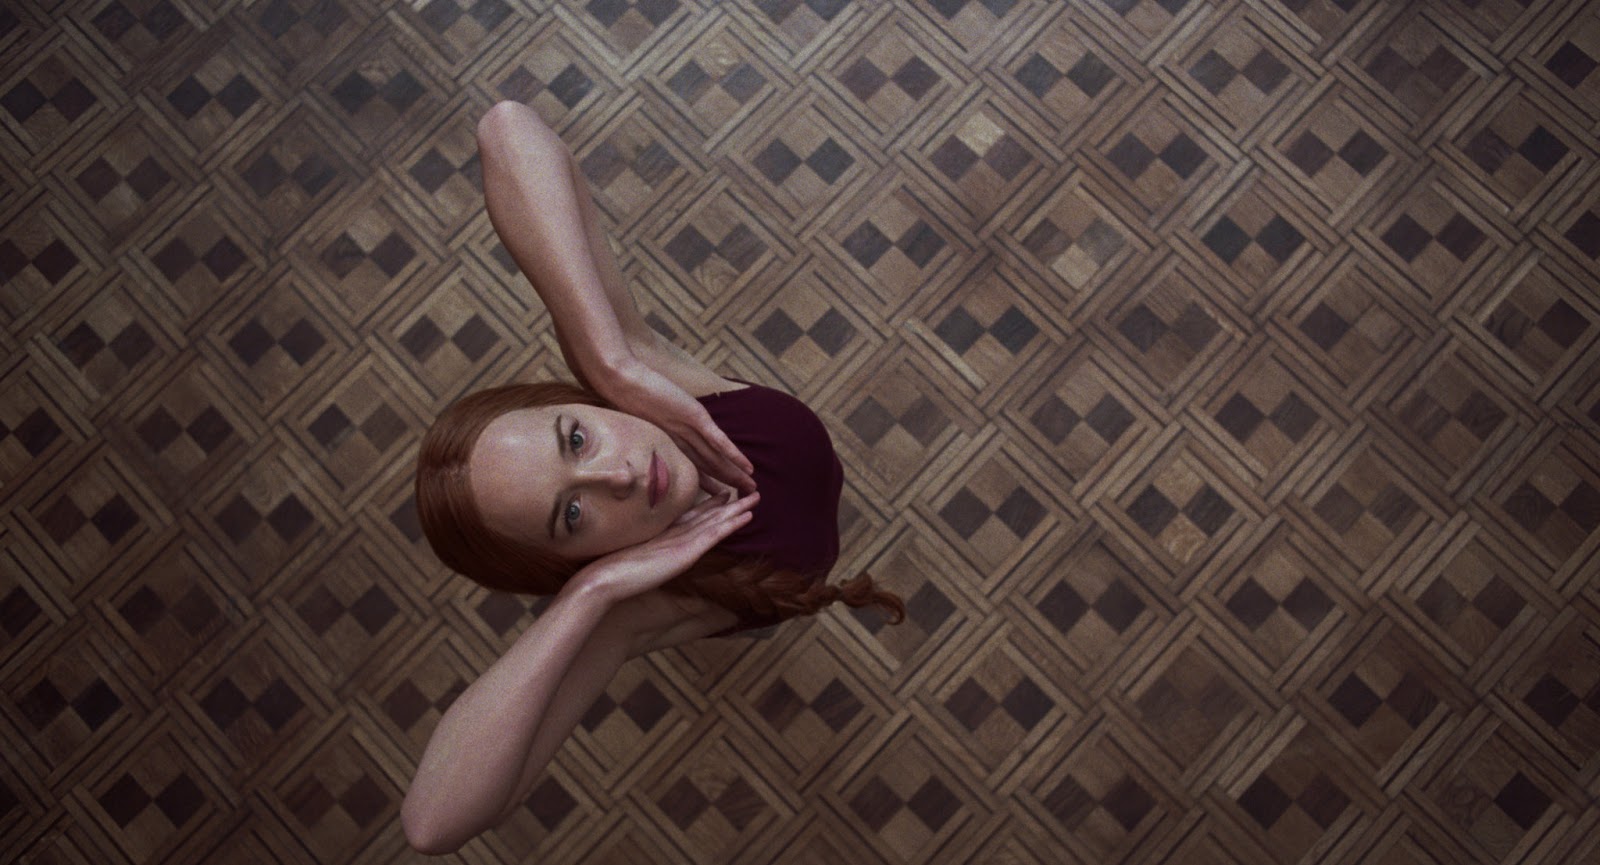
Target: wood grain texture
1216	379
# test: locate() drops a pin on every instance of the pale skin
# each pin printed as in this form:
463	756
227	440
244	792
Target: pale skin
649	490
580	481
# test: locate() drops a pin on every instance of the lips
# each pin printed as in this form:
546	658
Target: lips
658	480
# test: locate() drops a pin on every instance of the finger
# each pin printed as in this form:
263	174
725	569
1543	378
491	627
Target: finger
717	531
718	452
718	448
717	512
724	450
711	465
724	505
725	446
735	523
705	531
716	464
698	512
713	487
735	506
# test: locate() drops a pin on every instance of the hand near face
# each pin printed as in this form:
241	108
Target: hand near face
647	566
647	394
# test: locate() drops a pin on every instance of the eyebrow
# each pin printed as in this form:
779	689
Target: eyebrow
555	508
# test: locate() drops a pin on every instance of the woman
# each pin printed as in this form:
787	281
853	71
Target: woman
621	498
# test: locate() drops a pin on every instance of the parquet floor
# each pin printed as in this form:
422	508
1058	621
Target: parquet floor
1216	378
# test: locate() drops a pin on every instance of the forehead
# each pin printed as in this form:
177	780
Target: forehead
518	425
513	466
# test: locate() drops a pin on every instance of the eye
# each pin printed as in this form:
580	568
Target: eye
576	438
574	511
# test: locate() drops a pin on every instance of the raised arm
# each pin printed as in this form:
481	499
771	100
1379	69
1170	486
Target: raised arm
489	748
542	215
542	211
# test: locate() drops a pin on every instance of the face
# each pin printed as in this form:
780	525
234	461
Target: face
579	481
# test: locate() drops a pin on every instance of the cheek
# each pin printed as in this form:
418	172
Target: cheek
618	532
640	531
686	481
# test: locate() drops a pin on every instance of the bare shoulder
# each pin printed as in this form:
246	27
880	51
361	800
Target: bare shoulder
683	369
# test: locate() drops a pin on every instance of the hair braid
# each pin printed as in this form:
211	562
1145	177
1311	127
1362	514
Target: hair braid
760	591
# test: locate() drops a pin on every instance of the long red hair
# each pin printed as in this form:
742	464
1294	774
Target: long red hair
460	538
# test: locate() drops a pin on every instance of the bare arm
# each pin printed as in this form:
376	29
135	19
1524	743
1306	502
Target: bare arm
530	185
637	626
542	211
496	738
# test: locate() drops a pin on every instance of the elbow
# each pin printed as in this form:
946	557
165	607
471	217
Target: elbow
424	832
511	125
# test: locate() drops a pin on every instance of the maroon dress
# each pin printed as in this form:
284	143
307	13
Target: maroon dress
796	525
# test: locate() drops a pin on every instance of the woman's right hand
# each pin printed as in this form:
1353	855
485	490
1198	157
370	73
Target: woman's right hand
642	567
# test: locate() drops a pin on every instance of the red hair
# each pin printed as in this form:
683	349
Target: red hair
460	538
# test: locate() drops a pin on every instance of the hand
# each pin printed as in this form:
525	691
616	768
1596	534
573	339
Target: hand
715	488
645	393
646	566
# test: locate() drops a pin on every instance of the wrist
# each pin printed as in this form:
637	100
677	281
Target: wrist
594	584
616	370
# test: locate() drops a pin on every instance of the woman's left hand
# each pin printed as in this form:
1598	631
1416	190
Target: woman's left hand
642	567
645	393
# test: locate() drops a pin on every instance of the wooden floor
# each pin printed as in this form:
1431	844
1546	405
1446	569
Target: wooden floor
1217	379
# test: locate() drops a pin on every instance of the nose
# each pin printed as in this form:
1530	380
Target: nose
616	478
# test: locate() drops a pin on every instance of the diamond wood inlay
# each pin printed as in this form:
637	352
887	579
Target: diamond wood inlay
1216	381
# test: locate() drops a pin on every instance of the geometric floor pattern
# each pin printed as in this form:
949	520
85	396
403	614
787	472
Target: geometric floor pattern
1217	380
